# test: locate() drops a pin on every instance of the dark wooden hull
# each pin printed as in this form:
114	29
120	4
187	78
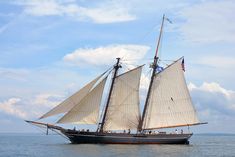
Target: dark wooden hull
77	137
116	138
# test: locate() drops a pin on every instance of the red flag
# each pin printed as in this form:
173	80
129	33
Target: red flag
182	64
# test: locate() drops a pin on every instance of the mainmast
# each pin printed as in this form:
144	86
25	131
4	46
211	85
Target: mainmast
116	67
154	67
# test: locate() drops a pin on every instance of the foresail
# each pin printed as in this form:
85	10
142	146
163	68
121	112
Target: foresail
123	110
87	111
170	104
73	100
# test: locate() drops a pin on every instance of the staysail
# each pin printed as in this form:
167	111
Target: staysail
87	110
73	100
123	111
170	104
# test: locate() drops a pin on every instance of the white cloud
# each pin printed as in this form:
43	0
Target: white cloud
108	12
106	55
11	106
144	84
209	21
213	100
213	88
215	105
144	81
32	107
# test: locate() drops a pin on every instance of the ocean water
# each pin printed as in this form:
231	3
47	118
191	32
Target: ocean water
36	145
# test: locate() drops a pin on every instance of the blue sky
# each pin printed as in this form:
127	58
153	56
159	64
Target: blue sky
49	49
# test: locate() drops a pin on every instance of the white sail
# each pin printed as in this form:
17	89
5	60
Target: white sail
87	110
123	110
73	100
170	104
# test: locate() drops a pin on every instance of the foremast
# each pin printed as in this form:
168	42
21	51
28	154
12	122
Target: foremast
154	67
116	67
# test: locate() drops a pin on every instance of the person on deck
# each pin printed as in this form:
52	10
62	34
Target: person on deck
176	131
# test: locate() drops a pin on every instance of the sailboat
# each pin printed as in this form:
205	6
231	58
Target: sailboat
167	105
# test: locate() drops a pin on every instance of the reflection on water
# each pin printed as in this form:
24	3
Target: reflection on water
23	145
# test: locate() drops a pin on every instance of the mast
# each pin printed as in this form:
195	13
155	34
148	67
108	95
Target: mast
154	67
116	67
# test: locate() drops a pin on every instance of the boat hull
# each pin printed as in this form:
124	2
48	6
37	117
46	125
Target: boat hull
113	138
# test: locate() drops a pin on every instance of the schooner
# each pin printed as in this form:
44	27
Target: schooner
167	105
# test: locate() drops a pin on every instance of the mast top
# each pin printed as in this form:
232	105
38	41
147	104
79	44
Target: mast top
160	36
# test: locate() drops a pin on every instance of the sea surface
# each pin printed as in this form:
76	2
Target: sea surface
38	145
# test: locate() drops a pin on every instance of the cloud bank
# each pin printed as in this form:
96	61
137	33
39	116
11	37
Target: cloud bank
214	103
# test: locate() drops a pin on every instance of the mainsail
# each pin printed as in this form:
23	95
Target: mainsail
73	100
123	110
87	110
170	104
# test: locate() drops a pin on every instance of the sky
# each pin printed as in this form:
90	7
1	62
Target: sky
50	48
